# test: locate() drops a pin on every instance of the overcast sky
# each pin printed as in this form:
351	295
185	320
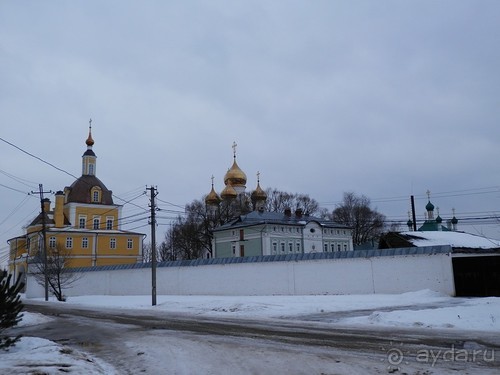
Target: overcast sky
383	98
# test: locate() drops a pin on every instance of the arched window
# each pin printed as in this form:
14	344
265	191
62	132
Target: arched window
95	194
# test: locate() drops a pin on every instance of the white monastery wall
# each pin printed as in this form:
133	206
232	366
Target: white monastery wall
385	274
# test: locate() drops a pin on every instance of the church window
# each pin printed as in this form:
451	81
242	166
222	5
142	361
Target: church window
290	247
112	243
233	248
96	223
345	247
297	247
130	243
82	222
338	247
52	242
325	247
85	242
275	247
91	168
109	223
282	245
69	242
332	246
95	196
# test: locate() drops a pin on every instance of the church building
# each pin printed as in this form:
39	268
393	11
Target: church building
84	224
256	232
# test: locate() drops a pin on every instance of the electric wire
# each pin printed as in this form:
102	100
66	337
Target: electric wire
13	189
20	180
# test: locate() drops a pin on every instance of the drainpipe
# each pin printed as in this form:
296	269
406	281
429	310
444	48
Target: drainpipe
94	250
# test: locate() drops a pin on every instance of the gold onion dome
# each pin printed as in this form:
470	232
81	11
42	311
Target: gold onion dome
212	198
235	176
228	192
258	193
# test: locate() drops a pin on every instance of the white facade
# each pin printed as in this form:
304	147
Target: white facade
379	274
270	233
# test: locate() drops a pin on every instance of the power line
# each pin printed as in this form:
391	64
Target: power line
38	158
172	204
19	179
444	194
25	199
14	189
55	167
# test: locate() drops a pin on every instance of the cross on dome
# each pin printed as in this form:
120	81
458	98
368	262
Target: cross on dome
234	149
90	142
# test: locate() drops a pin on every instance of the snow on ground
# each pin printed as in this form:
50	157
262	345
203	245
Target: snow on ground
480	314
33	355
262	306
434	309
32	319
422	309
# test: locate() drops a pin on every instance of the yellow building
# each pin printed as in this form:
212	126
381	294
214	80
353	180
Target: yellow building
84	224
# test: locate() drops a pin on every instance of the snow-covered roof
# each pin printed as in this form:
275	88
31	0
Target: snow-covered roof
256	218
455	239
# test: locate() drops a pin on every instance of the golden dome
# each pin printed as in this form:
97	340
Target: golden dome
229	192
212	199
258	193
235	176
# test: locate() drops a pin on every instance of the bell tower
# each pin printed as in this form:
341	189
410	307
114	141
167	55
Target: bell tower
89	158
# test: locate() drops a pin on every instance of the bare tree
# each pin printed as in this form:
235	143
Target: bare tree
190	237
278	201
355	211
59	275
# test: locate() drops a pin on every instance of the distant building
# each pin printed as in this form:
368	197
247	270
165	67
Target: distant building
273	233
434	224
84	222
256	232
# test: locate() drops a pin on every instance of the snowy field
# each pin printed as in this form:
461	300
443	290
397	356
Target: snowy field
423	309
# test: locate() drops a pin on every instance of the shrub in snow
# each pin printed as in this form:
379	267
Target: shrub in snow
10	307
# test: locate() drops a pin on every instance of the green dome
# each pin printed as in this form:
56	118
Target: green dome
429	206
439	220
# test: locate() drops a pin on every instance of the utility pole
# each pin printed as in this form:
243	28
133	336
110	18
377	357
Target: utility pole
414	217
154	193
44	239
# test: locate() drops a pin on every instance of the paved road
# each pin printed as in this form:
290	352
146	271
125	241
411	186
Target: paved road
158	342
